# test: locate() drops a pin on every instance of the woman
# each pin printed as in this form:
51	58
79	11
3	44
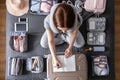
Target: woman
62	25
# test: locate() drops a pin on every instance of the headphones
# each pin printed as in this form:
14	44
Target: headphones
77	5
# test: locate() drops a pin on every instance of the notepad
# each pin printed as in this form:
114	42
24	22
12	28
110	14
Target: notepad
68	64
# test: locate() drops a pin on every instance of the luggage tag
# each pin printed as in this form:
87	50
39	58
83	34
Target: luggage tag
100	65
96	38
35	64
96	23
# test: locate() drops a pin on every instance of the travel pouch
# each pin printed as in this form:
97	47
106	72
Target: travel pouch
95	6
96	24
96	38
100	65
41	7
18	41
16	66
35	64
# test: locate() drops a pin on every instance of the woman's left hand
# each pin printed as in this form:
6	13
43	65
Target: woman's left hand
68	52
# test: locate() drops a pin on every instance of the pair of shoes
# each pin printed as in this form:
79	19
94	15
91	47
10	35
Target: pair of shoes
35	64
19	43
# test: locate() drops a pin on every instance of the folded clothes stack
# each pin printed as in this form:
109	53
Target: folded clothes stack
16	66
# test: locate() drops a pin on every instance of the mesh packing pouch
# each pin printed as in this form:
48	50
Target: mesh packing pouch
41	7
35	64
18	41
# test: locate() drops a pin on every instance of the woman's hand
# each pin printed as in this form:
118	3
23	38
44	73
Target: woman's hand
68	52
56	63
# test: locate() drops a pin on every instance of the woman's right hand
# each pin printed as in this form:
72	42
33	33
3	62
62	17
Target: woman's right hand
56	63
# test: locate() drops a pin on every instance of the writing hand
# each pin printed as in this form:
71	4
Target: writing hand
56	63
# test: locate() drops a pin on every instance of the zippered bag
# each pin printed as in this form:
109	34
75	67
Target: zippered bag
95	6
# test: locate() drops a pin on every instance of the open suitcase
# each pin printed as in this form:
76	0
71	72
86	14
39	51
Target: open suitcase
79	74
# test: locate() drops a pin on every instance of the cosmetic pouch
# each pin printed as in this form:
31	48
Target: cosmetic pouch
35	64
100	65
96	24
96	38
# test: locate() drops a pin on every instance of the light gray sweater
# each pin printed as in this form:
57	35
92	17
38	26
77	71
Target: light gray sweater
49	25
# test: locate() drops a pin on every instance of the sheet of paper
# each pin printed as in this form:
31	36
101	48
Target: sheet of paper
68	64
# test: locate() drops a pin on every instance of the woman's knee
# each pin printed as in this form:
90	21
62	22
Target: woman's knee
43	44
79	45
79	42
44	41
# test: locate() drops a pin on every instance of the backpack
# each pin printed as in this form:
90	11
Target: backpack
95	6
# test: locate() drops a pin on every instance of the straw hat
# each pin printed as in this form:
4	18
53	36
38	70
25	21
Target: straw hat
17	7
